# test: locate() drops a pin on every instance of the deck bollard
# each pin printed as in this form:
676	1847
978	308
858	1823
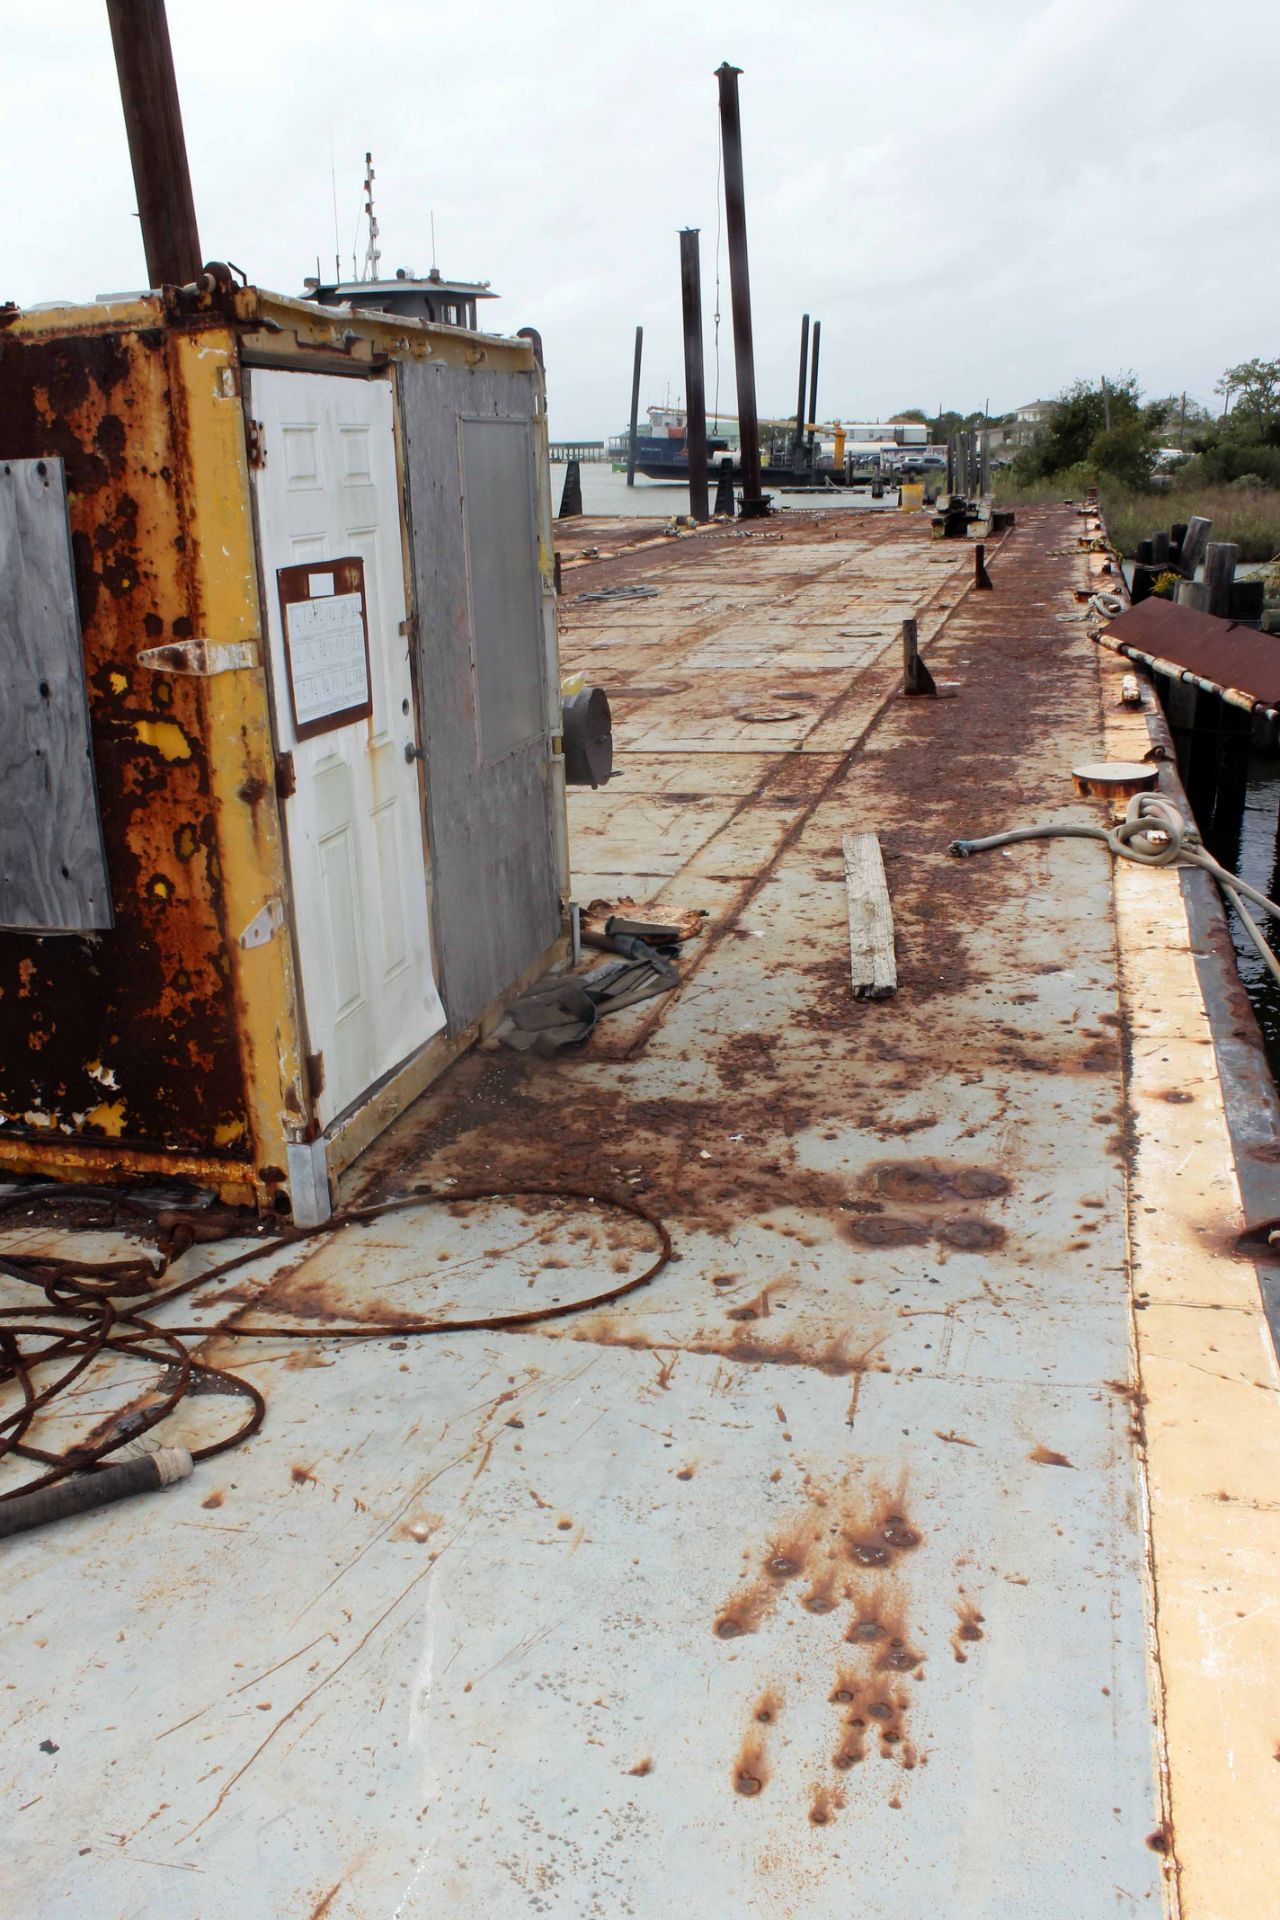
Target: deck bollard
571	498
916	677
981	578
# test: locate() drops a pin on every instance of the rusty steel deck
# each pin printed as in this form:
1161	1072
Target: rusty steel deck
877	1558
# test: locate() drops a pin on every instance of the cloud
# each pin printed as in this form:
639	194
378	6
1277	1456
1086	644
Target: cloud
977	199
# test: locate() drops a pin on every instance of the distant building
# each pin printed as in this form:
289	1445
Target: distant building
1031	420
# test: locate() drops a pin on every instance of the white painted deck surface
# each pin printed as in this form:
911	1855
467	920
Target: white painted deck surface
442	1640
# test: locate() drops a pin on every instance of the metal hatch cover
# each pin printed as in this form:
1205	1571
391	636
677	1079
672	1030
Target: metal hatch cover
1222	651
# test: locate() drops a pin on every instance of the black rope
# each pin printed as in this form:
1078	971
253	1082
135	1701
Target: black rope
95	1309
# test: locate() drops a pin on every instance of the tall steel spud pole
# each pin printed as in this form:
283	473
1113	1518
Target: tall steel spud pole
157	144
735	212
694	389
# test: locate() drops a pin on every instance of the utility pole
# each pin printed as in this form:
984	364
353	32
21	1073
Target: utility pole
635	409
735	212
157	145
696	406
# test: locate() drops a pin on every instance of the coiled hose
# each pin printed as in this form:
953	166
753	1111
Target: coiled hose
1153	833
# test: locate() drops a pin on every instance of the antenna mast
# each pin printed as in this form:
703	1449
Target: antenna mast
372	252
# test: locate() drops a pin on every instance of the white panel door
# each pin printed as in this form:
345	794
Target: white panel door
329	489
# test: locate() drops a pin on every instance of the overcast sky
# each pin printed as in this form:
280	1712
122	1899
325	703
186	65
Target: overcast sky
978	198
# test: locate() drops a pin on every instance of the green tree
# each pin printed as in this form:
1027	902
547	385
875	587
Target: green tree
914	414
1251	393
1125	453
1103	423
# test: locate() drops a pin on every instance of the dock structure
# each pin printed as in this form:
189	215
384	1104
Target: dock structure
589	452
908	1544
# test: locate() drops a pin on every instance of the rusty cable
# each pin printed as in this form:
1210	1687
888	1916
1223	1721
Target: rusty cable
90	1300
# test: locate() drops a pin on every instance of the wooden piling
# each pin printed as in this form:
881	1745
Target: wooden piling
1219	571
1194	542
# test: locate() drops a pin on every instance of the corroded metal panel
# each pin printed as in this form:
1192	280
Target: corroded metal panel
472	506
130	1036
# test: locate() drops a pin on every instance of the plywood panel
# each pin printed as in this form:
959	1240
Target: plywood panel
53	869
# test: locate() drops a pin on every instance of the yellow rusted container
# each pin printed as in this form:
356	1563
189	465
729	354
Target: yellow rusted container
177	1041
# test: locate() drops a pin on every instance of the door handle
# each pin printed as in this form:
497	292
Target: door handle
412	753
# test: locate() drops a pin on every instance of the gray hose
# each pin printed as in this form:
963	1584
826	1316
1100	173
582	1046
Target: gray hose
144	1474
1153	833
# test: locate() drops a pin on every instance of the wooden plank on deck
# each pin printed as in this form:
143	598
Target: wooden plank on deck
873	966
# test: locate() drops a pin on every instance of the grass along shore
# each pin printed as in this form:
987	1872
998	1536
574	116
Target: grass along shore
1249	516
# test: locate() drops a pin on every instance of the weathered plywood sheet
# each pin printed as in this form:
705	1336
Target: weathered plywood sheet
53	869
486	712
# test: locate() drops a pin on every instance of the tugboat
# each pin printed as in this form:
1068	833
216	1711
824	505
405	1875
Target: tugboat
448	303
663	452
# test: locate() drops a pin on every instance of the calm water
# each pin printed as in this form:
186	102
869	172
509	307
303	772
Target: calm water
1251	850
607	492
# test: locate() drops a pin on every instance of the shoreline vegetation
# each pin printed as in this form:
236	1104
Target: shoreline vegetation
1249	516
1158	461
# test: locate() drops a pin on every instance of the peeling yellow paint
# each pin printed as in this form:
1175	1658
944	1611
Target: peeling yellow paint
119	682
166	736
109	1115
229	1134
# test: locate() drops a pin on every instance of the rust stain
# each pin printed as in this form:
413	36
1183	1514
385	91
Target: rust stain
325	1901
785	1557
757	1309
641	1768
768	1707
751	1768
830	1355
1046	1457
955	1439
215	1499
303	1476
969	1623
824	1803
837	1536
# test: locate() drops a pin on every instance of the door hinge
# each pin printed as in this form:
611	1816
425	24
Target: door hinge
256	436
263	924
286	778
203	657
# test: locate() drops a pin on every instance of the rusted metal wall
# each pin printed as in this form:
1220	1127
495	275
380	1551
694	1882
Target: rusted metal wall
130	1036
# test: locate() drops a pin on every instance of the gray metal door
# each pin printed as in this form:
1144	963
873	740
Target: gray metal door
486	707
